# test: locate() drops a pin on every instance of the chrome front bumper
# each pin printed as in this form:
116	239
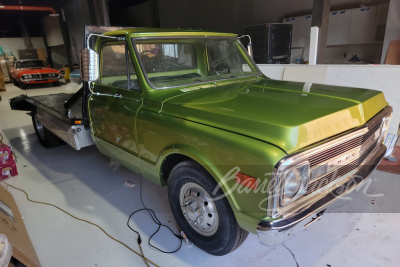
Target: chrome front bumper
275	232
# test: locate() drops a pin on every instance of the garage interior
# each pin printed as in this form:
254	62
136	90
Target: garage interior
351	44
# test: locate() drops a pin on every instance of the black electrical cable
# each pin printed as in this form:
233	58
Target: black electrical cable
156	221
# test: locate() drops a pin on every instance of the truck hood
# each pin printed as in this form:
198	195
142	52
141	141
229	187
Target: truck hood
290	115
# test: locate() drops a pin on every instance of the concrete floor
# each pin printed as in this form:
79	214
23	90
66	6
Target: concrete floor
361	232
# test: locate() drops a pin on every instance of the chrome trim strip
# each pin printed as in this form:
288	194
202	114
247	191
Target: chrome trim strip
379	152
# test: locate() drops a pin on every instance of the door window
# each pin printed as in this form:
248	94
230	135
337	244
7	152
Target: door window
114	67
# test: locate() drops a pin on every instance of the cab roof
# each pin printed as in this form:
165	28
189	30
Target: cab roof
143	32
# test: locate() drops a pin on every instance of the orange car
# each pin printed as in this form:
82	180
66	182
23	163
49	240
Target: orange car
33	71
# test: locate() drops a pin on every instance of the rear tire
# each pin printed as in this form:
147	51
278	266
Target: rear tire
22	85
190	192
46	138
57	83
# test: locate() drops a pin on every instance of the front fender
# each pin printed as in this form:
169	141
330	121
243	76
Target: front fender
218	151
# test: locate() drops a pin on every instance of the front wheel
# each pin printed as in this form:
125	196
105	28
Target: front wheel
208	222
46	138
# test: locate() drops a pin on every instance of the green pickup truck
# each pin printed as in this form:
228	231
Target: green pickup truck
238	151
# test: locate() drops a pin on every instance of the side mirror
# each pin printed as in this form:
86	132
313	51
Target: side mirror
89	63
249	45
250	49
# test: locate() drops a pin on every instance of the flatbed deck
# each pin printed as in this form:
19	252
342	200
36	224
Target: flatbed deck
53	104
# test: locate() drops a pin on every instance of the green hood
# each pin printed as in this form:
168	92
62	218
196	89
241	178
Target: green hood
289	115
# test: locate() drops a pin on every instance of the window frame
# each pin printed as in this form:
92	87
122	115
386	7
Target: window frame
127	67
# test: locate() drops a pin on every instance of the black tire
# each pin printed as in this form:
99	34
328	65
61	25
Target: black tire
22	85
228	236
15	82
57	83
46	138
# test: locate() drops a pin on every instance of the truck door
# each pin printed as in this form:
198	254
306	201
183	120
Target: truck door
113	113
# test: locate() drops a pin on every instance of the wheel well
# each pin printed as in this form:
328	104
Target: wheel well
169	163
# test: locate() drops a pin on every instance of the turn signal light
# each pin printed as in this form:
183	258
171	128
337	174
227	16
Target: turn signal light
246	180
78	122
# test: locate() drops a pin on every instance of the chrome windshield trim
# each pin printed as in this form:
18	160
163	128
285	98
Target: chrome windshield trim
133	41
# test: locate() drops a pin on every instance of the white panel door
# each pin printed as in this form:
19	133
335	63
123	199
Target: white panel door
362	25
296	28
343	27
305	26
332	28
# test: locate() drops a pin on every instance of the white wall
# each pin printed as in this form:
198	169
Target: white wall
385	78
15	44
392	27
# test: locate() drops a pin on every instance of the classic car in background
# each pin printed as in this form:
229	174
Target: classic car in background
33	71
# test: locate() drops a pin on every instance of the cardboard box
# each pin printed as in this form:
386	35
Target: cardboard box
4	68
12	225
42	54
2	84
393	53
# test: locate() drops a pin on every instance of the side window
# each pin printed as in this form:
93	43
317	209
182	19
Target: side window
114	67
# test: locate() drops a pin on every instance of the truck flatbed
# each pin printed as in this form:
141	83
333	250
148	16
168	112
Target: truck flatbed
53	104
61	113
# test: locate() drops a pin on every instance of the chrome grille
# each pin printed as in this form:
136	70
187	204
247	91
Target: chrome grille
331	164
335	151
331	177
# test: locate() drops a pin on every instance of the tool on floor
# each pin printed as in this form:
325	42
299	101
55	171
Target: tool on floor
186	239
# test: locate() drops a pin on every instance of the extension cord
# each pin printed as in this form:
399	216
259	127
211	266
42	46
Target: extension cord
147	261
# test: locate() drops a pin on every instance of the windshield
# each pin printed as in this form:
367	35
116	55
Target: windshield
31	64
184	61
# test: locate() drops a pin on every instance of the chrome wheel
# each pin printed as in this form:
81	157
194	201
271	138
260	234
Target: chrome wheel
199	209
39	127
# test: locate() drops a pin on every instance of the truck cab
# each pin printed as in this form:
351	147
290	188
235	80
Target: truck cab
238	151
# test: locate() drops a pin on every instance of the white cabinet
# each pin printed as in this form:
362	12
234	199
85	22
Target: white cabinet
339	27
296	28
351	26
305	26
362	26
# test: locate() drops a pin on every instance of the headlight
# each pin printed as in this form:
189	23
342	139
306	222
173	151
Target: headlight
292	183
295	182
29	76
54	75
